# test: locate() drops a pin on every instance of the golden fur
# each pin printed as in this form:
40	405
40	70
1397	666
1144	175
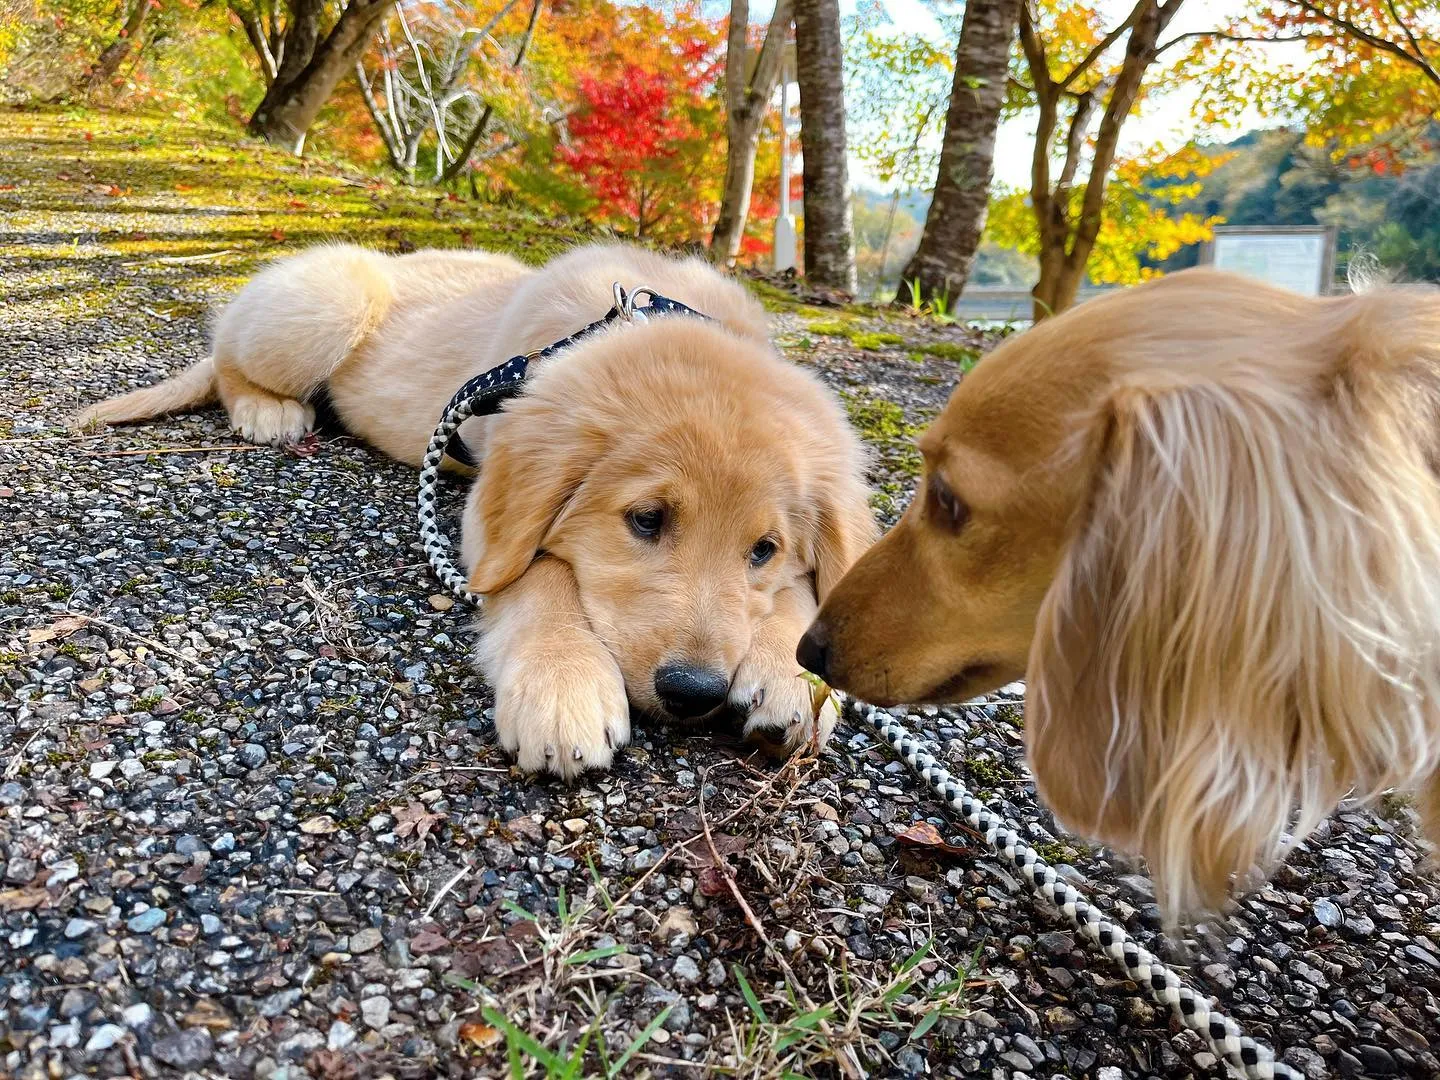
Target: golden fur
700	422
1201	518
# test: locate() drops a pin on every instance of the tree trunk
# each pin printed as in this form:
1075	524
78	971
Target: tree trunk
956	219
302	86
116	52
829	236
747	98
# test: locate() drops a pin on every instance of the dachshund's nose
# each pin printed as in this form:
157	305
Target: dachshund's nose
813	651
687	691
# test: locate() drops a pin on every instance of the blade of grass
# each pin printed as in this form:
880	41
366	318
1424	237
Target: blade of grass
748	994
639	1041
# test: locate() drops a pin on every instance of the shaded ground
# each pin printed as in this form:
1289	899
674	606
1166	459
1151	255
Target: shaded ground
251	823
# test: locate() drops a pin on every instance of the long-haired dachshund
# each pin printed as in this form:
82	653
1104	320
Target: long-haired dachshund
1201	519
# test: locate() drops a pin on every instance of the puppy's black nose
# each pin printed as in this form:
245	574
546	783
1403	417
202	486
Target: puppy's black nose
688	691
813	651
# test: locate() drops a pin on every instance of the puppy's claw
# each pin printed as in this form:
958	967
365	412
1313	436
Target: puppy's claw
577	754
758	698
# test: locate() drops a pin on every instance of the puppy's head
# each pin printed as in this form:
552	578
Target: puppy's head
686	476
1202	520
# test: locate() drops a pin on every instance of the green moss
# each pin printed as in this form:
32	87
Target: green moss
964	355
875	340
228	594
58	590
831	328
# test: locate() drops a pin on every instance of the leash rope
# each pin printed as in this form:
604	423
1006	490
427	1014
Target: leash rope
1194	1010
486	393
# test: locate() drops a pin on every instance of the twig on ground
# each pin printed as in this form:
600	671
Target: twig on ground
445	889
14	766
844	1058
179	450
151	642
185	260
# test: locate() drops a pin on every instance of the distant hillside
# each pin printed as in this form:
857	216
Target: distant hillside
1275	179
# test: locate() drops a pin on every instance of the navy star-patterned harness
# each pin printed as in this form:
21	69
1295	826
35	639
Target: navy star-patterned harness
485	394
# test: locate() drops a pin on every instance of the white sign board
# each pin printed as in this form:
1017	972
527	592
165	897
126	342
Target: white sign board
1298	259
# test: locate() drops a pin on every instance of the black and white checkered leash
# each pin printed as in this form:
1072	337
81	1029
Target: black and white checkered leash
484	395
1194	1010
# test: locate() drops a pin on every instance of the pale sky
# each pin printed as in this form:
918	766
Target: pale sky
1164	119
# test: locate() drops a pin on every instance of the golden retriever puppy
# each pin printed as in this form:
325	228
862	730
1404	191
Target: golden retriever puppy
1201	519
655	518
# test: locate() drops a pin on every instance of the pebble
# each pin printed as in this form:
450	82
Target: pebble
137	1015
147	921
364	941
78	928
686	970
188	1049
1326	913
375	1011
103	1038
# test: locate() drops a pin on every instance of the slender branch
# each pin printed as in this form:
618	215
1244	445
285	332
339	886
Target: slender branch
1222	35
473	139
1374	41
1410	36
367	93
1105	43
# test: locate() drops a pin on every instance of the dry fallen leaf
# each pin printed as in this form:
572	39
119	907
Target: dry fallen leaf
415	820
58	629
481	1035
924	835
712	882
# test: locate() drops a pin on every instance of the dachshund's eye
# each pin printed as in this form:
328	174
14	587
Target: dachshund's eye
646	521
763	551
950	508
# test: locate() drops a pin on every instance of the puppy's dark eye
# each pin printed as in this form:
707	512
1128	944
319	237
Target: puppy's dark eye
646	521
763	551
950	508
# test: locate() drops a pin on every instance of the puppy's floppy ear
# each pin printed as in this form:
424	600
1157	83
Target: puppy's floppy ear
843	529
1245	622
536	459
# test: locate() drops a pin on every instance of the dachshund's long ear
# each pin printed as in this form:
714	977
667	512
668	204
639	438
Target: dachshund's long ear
536	459
1245	623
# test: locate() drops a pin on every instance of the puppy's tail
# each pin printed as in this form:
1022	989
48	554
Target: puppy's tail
193	387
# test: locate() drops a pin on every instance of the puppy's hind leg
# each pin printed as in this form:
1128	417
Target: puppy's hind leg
261	415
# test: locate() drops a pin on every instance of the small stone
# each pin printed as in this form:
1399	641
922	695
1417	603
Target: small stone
99	770
1061	1020
575	825
1327	914
209	924
364	941
375	1011
1424	956
32	1017
1017	1061
1026	1046
676	920
1109	1072
686	970
104	1037
147	921
78	928
1377	1060
251	755
441	603
12	793
341	1035
281	1002
188	1049
137	1015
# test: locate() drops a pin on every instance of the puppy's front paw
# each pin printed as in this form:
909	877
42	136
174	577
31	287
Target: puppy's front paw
563	712
779	704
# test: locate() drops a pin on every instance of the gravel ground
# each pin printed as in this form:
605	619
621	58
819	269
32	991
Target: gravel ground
252	822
